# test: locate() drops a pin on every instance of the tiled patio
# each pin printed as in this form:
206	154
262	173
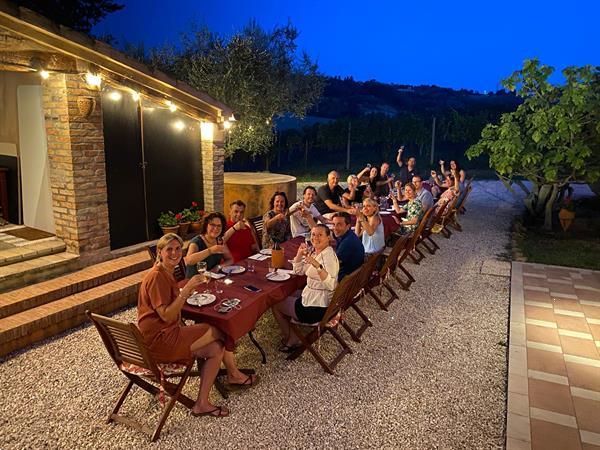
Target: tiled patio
554	358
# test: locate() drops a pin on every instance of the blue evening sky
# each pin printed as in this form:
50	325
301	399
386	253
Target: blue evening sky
458	44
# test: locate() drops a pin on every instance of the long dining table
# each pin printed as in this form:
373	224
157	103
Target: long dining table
241	320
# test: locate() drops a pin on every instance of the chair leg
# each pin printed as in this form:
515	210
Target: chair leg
431	250
172	401
120	401
366	323
343	352
377	298
393	295
435	246
307	342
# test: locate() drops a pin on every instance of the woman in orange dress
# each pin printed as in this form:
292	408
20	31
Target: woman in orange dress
159	320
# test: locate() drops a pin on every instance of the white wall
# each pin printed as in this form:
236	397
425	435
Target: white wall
35	183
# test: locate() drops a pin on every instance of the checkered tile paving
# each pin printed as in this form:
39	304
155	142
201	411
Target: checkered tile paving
554	358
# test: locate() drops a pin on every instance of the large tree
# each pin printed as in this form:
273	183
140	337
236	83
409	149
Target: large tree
553	137
259	74
81	15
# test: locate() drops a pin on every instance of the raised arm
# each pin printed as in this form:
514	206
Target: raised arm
399	157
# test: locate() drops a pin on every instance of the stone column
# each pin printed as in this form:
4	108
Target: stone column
77	166
213	159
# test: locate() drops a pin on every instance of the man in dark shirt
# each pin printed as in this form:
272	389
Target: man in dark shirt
408	169
329	196
349	248
383	181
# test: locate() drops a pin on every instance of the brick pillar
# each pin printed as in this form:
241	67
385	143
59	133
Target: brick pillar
77	170
213	159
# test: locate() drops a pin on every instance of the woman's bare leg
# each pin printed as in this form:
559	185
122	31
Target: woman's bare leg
283	312
234	376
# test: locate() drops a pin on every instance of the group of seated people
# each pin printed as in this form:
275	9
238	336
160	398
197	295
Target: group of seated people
223	241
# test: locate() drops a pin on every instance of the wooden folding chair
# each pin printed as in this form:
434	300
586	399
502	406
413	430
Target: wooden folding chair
405	252
258	225
358	291
180	270
329	324
380	278
125	346
417	235
433	226
449	213
461	208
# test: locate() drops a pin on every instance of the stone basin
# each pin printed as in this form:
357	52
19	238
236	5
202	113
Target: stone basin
255	189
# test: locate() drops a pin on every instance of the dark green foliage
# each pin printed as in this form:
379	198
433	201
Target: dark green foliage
81	15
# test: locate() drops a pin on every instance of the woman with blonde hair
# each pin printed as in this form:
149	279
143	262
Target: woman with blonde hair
369	227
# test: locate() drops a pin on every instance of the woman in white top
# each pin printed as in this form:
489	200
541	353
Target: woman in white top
369	227
321	267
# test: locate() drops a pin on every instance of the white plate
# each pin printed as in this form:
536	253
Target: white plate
385	213
233	270
266	251
278	276
201	299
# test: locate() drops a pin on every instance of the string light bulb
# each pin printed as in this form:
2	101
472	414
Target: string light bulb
179	125
44	74
227	124
171	105
135	96
115	96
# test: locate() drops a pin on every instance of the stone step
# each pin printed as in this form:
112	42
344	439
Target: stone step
27	250
33	325
23	273
19	300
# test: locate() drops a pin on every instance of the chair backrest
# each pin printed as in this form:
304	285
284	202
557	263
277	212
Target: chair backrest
391	261
257	223
415	235
124	342
364	277
180	270
340	296
463	198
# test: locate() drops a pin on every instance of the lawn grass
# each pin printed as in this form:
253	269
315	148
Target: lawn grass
578	247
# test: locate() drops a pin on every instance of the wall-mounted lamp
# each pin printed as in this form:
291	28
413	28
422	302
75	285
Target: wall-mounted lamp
232	118
227	125
115	96
93	79
206	131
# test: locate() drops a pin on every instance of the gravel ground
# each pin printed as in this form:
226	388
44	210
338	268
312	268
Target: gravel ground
431	373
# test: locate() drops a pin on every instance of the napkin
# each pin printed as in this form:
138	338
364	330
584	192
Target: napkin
259	257
288	271
216	276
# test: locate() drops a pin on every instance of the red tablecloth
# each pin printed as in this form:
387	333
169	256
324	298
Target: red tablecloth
237	322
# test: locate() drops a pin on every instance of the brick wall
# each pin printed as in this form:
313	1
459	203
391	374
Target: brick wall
213	159
77	171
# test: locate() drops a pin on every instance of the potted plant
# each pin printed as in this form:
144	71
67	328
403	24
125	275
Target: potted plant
168	222
195	218
184	220
566	214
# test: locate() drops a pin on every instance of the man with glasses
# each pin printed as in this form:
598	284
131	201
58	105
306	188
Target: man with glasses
422	194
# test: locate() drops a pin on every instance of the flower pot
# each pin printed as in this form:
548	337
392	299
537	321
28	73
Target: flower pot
566	218
195	227
183	228
86	105
167	230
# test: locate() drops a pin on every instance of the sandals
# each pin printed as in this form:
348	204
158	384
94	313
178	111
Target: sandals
221	413
248	383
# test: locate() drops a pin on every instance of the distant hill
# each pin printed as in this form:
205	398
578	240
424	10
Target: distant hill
349	98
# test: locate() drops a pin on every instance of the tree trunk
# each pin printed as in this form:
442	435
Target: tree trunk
550	207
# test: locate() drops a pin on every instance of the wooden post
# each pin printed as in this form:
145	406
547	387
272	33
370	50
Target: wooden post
306	154
348	146
432	142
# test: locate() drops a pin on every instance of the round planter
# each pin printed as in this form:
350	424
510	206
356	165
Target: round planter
566	218
195	227
167	230
183	228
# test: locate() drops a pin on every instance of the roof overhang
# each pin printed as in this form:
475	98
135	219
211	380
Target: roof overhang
59	39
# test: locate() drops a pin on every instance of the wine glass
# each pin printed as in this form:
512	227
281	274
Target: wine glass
203	270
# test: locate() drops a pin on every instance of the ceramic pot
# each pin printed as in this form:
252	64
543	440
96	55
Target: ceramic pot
566	218
183	228
167	230
195	227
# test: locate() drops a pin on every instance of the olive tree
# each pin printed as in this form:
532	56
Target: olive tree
259	74
553	137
